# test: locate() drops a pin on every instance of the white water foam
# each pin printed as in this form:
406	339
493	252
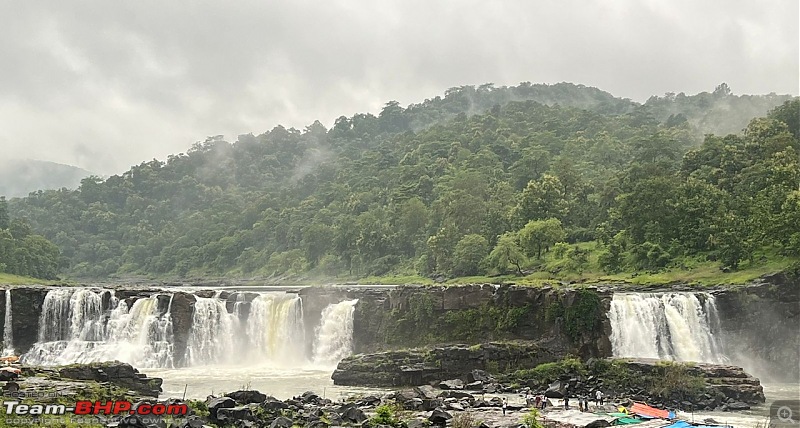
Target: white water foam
334	335
671	326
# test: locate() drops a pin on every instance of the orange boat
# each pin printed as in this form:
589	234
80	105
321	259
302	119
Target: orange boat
642	409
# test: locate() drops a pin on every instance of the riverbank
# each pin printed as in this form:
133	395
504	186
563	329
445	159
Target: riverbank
253	407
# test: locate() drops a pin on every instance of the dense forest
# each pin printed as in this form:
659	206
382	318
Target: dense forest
22	252
484	180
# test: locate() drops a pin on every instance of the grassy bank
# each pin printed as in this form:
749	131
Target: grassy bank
552	268
7	278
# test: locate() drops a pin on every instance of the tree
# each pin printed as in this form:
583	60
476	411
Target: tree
506	253
468	254
543	198
4	220
540	235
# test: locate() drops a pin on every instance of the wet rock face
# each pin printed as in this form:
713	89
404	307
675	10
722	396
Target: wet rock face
760	327
455	364
182	314
409	316
27	306
115	372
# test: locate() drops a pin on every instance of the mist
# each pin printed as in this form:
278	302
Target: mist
104	86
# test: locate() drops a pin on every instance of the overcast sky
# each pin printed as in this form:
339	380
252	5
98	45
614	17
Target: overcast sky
107	84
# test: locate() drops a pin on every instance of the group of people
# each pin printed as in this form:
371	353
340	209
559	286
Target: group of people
537	402
540	401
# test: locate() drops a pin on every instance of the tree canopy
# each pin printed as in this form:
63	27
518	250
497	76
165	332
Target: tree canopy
469	183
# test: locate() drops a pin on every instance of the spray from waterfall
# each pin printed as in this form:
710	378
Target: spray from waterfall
8	330
81	325
334	335
671	326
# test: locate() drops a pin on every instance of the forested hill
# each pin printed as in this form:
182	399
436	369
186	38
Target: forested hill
18	177
483	180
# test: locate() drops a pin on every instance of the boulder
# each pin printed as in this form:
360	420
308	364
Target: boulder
233	414
216	403
281	422
557	389
426	392
247	397
439	417
452	384
479	376
353	414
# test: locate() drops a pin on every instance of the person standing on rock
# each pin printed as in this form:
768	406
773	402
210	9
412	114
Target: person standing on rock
505	404
538	401
599	397
566	402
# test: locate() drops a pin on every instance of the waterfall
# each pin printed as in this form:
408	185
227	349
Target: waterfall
276	330
81	325
334	335
76	327
8	331
671	326
213	330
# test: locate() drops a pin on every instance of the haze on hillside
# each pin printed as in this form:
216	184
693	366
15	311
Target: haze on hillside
104	85
19	177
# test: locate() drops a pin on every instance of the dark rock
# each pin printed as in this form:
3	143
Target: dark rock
428	405
474	386
736	406
281	422
353	414
192	422
426	392
413	404
557	389
216	403
439	417
406	395
309	397
316	424
247	397
232	414
479	376
120	374
274	406
369	400
417	423
457	394
452	384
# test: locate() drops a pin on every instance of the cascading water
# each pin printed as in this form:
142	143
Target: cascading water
334	335
80	325
276	330
213	329
77	328
8	331
672	326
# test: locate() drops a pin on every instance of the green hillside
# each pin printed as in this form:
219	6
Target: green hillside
562	180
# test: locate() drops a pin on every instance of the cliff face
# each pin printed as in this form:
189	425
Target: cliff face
761	327
564	321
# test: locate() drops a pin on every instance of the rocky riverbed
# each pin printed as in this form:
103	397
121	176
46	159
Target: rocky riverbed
448	402
522	366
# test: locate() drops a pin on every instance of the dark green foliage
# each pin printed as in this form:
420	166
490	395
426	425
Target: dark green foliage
583	315
444	187
385	415
24	253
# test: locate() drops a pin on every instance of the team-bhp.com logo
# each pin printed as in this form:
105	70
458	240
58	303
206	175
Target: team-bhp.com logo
95	408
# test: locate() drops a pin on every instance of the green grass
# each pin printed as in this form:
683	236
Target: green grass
551	270
7	278
395	279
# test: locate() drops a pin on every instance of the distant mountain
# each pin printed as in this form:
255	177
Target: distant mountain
19	177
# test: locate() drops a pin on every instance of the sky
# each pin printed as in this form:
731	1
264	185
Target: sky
105	85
